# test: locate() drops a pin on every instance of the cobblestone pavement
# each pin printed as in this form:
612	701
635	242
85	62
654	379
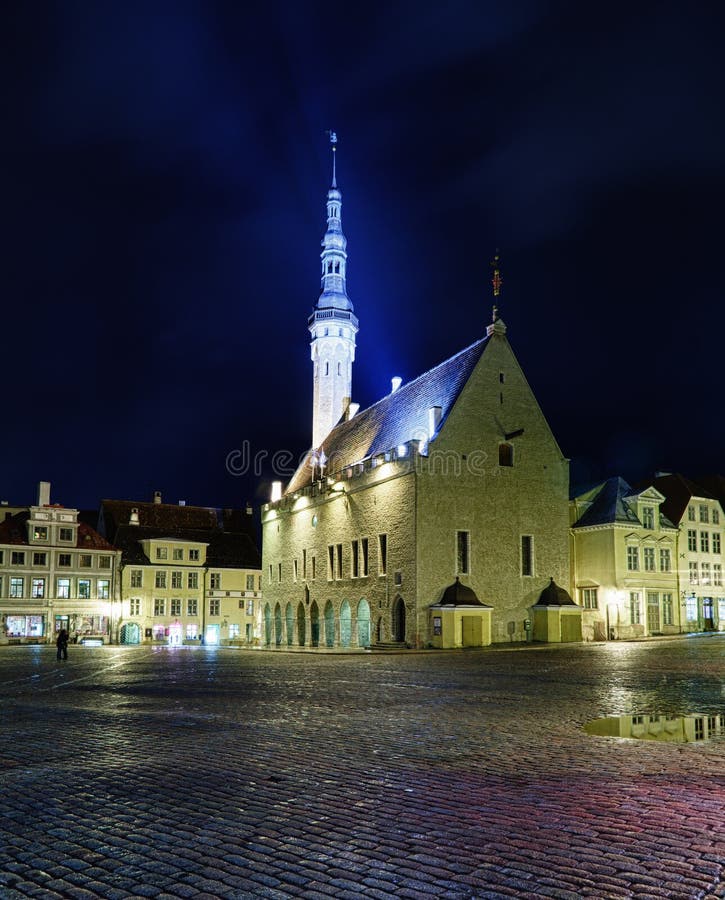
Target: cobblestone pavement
138	772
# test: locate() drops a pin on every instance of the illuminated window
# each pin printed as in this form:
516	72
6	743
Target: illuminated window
192	580
692	540
177	580
693	573
649	559
85	560
665	559
17	558
704	541
160	580
234	630
365	556
175	607
192	629
667	609
63	591
635	611
134	606
505	455
589	598
633	558
717	574
648	517
250	607
215	581
104	562
40	533
463	539
159	606
104	588
192	607
705	573
250	582
65	534
214	607
382	554
716	542
64	559
194	555
704	513
38	588
177	553
84	588
162	553
691	608
527	554
136	578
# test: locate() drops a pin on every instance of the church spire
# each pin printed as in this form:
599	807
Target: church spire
333	324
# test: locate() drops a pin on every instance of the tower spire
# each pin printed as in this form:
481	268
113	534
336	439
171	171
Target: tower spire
496	281
333	324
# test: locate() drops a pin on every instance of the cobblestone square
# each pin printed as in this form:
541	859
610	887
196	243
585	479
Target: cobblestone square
200	773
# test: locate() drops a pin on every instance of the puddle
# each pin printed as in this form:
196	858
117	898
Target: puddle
677	729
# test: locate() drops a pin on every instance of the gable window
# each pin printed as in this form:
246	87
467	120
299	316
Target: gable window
40	533
250	582
704	541
649	559
715	517
633	559
194	555
162	553
65	534
462	552
691	513
177	553
704	513
589	598
527	554
648	517
505	455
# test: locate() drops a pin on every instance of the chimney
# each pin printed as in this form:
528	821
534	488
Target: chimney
44	493
352	410
157	496
434	421
396	382
134	517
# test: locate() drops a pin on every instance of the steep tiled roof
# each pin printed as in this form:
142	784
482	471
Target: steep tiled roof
610	506
396	419
225	549
233	551
159	516
13	530
678	492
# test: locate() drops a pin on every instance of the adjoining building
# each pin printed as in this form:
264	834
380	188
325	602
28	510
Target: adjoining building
188	574
56	571
698	515
455	474
624	562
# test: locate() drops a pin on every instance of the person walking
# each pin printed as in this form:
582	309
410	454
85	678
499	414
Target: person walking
62	644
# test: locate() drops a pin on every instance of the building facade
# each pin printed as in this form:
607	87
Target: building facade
188	575
55	572
624	553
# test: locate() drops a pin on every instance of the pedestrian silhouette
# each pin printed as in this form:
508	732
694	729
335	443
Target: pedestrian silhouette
62	643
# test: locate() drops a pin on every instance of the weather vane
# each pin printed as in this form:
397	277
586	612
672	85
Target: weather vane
333	141
496	280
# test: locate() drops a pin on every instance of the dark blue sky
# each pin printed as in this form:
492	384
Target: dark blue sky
163	177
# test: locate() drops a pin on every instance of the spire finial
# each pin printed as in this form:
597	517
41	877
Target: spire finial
496	280
333	142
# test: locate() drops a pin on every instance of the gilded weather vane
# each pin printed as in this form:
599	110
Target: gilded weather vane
496	281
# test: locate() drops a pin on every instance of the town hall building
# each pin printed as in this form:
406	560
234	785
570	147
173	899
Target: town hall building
437	517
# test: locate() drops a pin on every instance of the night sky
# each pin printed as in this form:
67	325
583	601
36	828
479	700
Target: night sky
163	182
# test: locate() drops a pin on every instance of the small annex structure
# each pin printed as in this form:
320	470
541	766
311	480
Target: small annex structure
189	574
455	473
460	619
56	571
556	617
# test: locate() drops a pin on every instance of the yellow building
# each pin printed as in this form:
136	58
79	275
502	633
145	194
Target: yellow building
55	572
188	574
624	562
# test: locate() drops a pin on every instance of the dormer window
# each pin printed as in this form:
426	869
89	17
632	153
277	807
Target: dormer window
162	553
40	533
648	517
505	455
65	534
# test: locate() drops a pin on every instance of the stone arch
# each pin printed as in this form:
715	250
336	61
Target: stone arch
267	625
398	619
314	624
278	625
363	623
329	625
345	624
301	625
290	624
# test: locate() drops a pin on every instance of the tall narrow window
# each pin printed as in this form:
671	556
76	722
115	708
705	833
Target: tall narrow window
294	569
648	517
364	559
665	560
704	541
354	558
633	559
462	552
304	565
382	554
667	609
635	614
313	567
339	560
331	562
649	559
527	554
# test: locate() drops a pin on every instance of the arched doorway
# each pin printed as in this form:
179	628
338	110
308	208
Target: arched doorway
363	624
329	625
278	625
398	622
130	634
290	622
345	624
301	636
267	625
314	624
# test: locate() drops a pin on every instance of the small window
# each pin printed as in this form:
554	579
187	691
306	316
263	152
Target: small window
382	554
462	552
39	559
161	579
327	368
527	555
339	561
589	598
104	562
704	513
17	558
136	578
501	377
194	555
64	559
633	559
691	513
65	534
505	455
648	517
215	581
162	553
85	560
